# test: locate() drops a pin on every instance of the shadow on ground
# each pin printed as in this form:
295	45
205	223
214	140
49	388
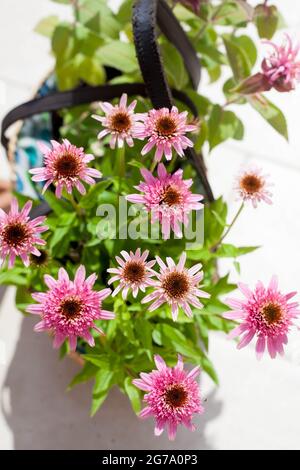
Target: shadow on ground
42	415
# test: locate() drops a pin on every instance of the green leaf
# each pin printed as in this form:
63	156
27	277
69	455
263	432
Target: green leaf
214	226
89	70
208	367
223	125
230	13
212	54
63	43
143	331
271	113
174	66
46	26
248	46
59	234
120	55
136	164
91	198
59	206
230	251
179	342
87	372
23	298
99	360
66	219
13	277
228	90
202	103
238	59
221	287
203	330
98	17
133	395
266	20
103	381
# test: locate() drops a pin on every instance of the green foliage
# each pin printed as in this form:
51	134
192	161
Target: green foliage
223	125
266	20
271	113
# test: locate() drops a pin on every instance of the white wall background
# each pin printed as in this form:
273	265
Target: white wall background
257	405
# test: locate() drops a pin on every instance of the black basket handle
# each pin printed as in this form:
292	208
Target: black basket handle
82	95
147	15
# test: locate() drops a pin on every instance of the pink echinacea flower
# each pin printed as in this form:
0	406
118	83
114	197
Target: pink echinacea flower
69	308
252	185
165	129
177	286
133	273
172	396
168	199
120	122
65	167
19	234
266	314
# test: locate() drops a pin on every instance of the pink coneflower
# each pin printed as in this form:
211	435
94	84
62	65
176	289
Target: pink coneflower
281	68
252	185
120	121
65	166
168	198
177	286
165	130
69	308
134	272
173	396
19	234
265	313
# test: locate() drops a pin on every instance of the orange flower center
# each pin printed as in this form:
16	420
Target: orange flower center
171	196
134	271
176	396
251	184
176	285
166	126
272	313
120	122
15	234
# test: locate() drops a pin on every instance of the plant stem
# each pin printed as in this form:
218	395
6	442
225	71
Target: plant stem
209	21
153	166
120	161
216	245
74	204
76	11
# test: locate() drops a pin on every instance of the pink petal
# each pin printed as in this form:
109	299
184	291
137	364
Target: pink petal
260	347
159	362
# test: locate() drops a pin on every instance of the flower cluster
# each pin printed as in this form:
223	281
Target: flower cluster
72	310
175	284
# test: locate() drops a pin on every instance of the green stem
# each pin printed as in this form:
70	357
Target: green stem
153	166
74	204
120	162
216	245
209	21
